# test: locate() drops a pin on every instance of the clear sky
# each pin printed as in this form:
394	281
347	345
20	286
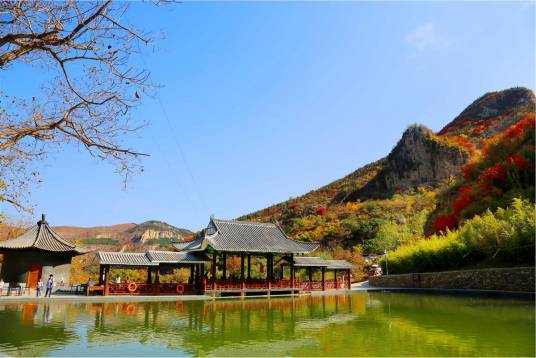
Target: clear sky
264	101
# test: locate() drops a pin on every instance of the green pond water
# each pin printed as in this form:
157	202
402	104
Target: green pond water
359	324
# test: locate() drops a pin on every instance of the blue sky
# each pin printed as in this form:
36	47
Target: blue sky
264	101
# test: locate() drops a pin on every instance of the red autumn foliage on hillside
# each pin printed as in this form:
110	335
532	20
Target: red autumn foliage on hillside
444	222
461	204
506	162
321	211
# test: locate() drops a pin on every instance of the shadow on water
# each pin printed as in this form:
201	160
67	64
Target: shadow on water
378	323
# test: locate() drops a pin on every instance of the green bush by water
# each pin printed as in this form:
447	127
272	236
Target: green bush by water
501	238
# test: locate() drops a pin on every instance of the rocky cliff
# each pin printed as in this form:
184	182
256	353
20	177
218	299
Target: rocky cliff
155	230
419	159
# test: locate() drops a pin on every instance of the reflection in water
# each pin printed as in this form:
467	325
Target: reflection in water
344	325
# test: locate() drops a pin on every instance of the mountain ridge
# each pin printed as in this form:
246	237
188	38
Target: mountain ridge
405	183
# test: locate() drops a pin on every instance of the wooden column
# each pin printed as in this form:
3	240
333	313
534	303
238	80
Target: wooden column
214	271
269	264
242	269
249	266
106	274
292	274
336	279
323	278
203	278
349	282
157	280
101	272
224	257
149	269
310	272
192	277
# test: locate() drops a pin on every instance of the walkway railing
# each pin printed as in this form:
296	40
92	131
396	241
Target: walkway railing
135	288
222	285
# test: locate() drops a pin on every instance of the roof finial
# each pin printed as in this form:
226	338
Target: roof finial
43	218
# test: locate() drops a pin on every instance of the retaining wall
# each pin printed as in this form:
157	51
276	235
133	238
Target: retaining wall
520	279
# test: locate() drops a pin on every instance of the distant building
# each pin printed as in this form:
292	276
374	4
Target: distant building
36	254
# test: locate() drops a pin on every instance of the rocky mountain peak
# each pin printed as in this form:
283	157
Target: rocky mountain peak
492	113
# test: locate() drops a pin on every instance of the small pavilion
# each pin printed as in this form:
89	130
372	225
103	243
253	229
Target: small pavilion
36	254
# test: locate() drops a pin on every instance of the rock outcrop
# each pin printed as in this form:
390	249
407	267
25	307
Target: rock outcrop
419	159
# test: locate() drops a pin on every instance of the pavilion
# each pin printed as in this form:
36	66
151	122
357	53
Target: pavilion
35	255
277	259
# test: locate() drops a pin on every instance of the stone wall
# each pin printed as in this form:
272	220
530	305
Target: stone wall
519	279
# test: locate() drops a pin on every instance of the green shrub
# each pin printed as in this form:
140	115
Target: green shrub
502	238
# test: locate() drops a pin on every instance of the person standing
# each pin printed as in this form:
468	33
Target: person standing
50	285
38	288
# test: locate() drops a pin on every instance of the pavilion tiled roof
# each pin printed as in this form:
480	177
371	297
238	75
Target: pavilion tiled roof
124	259
41	237
150	258
307	261
243	236
192	245
177	257
339	265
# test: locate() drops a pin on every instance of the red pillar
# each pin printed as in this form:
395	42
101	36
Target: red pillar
323	278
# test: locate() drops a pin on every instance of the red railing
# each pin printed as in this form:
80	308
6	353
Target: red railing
331	285
222	285
176	289
135	288
311	286
132	288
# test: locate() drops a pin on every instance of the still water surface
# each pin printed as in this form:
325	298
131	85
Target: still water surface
372	324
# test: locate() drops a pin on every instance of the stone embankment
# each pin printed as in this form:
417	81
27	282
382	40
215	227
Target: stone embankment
515	279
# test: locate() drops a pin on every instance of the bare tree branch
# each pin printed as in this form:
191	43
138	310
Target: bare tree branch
88	52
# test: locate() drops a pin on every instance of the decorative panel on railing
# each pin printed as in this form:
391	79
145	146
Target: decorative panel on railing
175	288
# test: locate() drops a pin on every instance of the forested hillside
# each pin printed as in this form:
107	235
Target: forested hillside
429	183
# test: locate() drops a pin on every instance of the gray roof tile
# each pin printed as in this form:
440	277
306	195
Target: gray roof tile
124	259
243	236
42	237
177	257
339	264
307	261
